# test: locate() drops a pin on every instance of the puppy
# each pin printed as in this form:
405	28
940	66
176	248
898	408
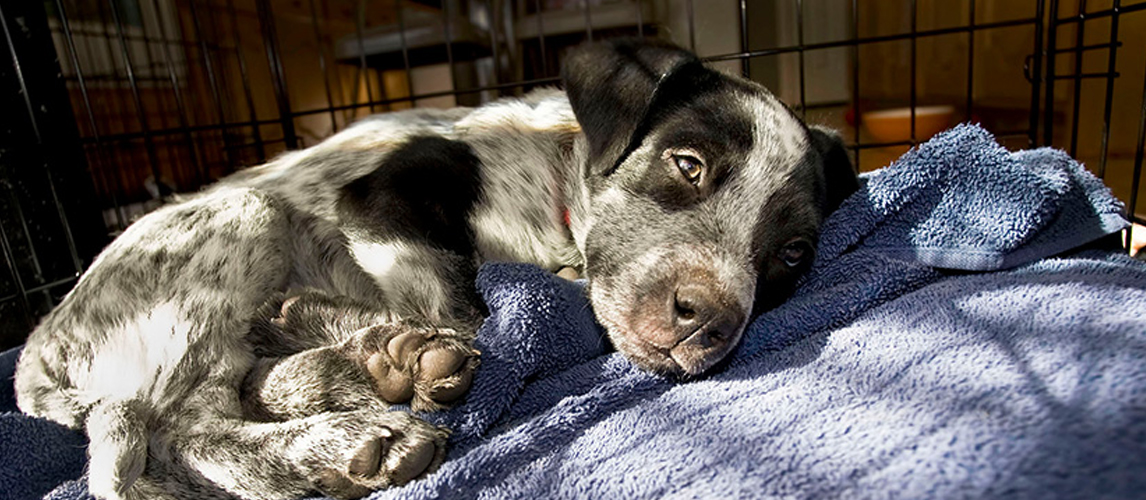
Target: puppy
687	198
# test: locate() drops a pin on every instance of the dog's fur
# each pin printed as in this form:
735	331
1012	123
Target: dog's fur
689	196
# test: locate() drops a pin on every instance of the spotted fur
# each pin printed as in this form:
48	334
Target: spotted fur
196	376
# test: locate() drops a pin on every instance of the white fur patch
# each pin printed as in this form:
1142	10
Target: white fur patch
377	259
138	358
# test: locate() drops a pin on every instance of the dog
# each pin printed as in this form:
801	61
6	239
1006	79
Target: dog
249	340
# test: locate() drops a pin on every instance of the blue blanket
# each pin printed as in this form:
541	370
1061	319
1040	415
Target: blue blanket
942	346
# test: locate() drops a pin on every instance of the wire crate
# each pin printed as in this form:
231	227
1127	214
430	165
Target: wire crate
111	105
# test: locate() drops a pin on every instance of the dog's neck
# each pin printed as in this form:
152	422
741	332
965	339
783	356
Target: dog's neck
531	177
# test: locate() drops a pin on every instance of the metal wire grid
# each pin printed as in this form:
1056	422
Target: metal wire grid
204	35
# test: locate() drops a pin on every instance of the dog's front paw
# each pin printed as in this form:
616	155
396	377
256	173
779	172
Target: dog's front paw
428	367
372	450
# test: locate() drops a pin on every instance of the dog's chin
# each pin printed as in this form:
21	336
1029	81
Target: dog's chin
676	362
650	327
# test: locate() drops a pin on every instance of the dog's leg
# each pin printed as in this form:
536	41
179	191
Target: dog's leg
420	280
344	455
397	362
288	324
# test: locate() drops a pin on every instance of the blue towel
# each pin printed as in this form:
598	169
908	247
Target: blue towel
943	346
35	455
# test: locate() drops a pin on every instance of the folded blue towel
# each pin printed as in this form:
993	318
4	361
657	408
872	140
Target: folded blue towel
886	376
962	201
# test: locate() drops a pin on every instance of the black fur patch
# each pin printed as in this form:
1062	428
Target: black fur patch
423	191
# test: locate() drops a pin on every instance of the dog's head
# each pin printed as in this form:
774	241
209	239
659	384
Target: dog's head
705	198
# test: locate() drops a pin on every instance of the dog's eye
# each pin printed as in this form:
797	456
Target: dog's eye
795	253
689	166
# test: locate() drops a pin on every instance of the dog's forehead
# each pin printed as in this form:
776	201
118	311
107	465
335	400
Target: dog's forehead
772	157
779	139
776	174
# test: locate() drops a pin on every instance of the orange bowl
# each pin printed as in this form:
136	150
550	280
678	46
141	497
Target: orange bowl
894	125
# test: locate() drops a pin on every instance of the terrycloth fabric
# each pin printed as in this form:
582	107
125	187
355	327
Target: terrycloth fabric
35	455
962	201
886	376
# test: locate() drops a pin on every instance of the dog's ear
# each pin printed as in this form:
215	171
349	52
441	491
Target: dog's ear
840	179
614	85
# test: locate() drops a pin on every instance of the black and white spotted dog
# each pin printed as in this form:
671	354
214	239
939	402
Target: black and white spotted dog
684	195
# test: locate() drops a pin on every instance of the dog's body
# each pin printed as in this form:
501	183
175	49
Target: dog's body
685	196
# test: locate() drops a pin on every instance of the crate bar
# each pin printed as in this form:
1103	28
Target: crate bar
149	39
914	98
1135	182
252	144
278	72
495	54
127	136
588	20
42	288
399	7
970	106
875	145
322	66
641	20
7	248
176	162
447	32
1077	95
37	269
212	77
1048	104
10	257
77	265
869	40
363	74
1111	63
180	106
1036	82
101	152
107	36
148	143
541	33
1125	9
691	26
1093	46
117	78
1103	74
475	90
742	5
856	78
261	150
800	43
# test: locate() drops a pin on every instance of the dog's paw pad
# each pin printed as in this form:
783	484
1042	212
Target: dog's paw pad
367	461
388	449
425	367
393	383
417	459
447	372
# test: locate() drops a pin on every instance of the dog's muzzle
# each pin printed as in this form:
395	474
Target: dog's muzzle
706	324
682	316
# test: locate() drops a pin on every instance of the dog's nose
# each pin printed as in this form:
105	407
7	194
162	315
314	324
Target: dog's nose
706	324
